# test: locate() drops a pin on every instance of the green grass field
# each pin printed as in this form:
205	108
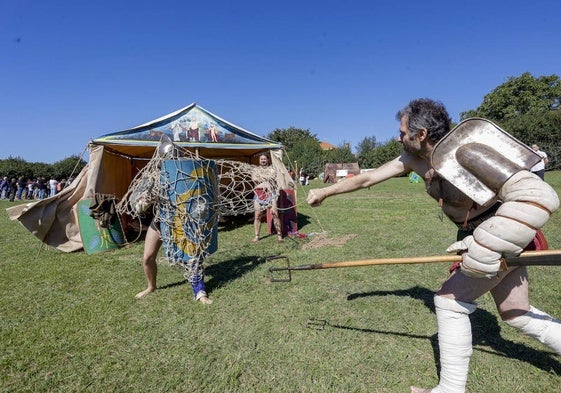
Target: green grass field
69	322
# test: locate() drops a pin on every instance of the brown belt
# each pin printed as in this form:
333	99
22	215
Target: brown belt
470	225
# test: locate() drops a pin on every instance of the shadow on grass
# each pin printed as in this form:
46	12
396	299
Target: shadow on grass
302	220
486	332
225	272
230	270
227	224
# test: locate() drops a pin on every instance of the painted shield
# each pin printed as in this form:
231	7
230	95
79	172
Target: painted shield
94	237
188	219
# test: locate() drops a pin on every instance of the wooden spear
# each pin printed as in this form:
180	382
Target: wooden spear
528	258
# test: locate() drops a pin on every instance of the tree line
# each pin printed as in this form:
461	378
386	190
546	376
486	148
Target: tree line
527	107
16	167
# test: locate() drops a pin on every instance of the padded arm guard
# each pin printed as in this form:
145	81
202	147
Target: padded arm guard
527	203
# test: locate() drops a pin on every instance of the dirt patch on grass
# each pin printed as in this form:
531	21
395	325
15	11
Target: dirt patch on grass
322	240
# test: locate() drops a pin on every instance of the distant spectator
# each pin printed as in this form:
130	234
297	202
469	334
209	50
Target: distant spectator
4	187
30	186
60	186
13	187
41	187
53	183
539	168
21	184
304	178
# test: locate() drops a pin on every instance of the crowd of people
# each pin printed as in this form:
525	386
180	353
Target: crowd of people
22	188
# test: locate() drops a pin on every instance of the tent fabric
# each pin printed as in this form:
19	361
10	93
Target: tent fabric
116	158
54	220
191	127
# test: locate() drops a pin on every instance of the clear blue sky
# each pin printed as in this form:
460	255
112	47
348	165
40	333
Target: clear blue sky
73	70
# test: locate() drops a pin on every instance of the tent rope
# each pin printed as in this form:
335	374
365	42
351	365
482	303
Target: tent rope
301	187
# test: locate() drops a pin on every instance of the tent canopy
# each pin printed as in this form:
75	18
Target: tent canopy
191	127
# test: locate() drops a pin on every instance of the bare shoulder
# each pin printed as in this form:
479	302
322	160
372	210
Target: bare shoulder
411	162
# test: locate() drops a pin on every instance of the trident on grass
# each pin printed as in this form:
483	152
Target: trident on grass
528	258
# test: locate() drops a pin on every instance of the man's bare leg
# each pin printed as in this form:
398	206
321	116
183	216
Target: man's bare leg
152	244
276	221
257	221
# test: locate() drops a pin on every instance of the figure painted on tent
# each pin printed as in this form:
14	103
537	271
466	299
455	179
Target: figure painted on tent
176	130
501	224
193	131
213	132
266	196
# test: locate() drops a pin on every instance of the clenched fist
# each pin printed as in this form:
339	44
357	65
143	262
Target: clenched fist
315	197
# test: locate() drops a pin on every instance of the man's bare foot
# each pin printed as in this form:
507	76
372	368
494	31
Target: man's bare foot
279	239
255	239
144	293
205	300
415	389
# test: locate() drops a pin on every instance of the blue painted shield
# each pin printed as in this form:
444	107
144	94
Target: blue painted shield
188	219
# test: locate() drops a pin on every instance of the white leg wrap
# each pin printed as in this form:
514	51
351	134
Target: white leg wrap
541	326
454	341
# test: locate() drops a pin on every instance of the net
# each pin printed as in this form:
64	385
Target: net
187	193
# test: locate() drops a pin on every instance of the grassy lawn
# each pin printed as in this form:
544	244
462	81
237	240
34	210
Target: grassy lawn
69	322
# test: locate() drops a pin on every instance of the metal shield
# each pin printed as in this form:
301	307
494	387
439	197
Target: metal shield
478	157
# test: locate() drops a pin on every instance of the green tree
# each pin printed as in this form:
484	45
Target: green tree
385	152
291	137
543	129
339	155
14	167
308	155
519	96
42	169
364	150
72	165
302	147
372	154
529	108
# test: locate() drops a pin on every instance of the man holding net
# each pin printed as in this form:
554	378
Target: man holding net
181	191
502	226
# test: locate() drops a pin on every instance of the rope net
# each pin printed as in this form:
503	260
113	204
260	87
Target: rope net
187	193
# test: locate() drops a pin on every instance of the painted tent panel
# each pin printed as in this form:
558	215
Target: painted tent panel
192	126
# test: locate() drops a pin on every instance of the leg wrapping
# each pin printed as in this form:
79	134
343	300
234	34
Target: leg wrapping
541	326
454	341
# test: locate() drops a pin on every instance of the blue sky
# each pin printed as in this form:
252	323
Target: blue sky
73	70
